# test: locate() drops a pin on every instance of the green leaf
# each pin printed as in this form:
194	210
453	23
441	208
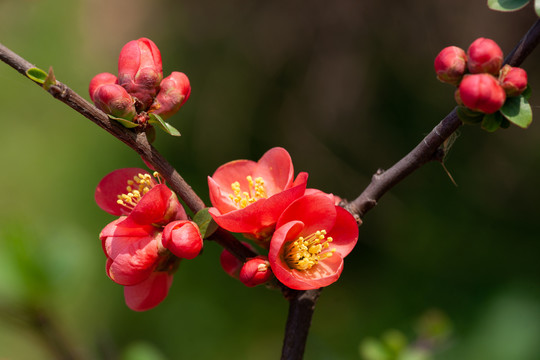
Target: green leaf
207	225
467	116
537	7
528	91
491	122
37	75
507	5
127	123
168	128
518	111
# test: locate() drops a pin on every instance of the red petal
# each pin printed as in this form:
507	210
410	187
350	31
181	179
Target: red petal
155	206
344	232
276	168
111	186
316	211
149	293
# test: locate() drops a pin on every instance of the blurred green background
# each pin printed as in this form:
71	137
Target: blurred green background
347	87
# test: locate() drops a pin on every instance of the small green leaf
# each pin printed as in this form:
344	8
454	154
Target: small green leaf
467	116
168	128
518	111
491	122
37	75
507	5
206	224
537	7
127	123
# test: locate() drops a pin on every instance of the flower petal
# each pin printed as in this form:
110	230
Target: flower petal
149	293
157	205
344	232
276	168
111	186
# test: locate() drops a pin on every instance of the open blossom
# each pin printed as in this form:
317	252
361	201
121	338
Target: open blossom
141	254
248	196
134	192
311	239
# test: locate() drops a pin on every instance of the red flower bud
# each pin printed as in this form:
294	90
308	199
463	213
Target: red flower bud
140	70
101	79
450	65
485	56
183	239
513	80
114	100
255	271
173	93
481	92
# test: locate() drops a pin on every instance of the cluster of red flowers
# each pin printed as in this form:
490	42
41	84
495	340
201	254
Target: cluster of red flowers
482	85
306	234
152	234
140	88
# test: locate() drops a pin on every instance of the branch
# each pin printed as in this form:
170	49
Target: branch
429	148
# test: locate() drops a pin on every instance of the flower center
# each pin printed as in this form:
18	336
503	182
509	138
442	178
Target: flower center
256	191
136	188
304	253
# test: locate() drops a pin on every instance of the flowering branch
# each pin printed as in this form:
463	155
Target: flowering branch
430	147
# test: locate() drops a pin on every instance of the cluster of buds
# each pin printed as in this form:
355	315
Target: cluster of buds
483	86
306	236
145	244
139	89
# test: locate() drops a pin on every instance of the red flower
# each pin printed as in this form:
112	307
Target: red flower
173	93
311	239
255	271
451	64
481	92
133	192
513	80
484	56
249	196
141	255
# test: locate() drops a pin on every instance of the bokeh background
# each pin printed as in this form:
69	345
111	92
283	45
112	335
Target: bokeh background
347	87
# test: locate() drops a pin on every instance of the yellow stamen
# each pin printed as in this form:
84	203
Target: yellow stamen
256	191
304	253
136	188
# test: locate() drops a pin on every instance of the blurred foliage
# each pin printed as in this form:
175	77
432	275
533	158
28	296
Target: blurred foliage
347	87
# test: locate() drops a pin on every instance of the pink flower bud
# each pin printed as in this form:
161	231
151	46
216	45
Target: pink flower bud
485	56
255	271
230	263
183	239
173	93
114	100
481	92
450	65
140	70
101	79
513	80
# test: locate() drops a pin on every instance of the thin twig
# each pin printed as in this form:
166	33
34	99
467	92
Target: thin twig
382	181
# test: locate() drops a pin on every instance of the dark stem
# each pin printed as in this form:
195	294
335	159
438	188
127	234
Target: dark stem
430	147
301	308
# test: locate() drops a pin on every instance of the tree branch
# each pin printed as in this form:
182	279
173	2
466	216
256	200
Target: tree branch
382	181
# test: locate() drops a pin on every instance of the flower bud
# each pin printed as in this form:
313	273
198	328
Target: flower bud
255	271
114	100
173	92
183	239
140	70
485	56
513	80
481	92
450	65
101	79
